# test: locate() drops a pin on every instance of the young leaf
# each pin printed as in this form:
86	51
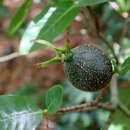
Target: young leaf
53	99
48	25
19	17
88	2
18	113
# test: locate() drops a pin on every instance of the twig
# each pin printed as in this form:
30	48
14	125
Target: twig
114	100
105	106
114	91
9	57
85	107
101	96
108	121
76	108
124	109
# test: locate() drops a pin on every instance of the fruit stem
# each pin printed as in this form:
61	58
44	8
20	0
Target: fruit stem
44	111
67	47
46	43
49	62
62	54
67	57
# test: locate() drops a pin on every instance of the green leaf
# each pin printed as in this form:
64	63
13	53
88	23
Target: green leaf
53	99
125	67
120	119
88	2
124	5
18	113
19	17
126	62
124	70
48	25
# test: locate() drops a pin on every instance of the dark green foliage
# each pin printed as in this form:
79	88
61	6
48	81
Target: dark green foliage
90	69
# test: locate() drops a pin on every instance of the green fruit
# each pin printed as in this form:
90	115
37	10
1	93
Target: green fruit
89	68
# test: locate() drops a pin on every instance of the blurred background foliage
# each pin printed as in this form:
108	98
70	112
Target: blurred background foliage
20	78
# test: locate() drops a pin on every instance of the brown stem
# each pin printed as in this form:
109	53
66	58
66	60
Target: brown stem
124	109
85	107
76	108
107	107
9	57
108	121
101	96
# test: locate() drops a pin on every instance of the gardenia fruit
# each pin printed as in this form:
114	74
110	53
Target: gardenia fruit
89	68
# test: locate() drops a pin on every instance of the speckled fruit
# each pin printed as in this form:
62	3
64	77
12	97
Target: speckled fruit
89	69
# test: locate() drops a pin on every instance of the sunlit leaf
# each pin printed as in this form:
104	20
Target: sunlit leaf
18	113
48	25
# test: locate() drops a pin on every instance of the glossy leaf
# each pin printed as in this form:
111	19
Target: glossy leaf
19	17
18	113
48	25
88	2
53	99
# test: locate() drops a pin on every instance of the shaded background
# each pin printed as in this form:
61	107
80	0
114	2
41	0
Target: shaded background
20	77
